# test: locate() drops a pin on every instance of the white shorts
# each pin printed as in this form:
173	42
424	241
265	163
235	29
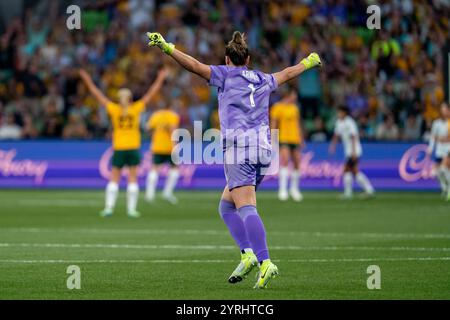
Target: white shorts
442	150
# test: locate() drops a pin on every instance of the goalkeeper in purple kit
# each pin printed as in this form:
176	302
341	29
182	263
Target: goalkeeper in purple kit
243	96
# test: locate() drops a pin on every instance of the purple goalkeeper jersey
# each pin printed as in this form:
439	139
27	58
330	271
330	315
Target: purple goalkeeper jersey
243	96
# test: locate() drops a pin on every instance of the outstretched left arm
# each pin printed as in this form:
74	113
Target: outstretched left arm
191	64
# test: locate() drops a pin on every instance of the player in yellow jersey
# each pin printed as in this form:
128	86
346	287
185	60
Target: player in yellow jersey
161	125
126	139
285	116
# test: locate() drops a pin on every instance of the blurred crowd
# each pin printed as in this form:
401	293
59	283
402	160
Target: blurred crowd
391	78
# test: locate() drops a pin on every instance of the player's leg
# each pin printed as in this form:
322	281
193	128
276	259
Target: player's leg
112	188
295	175
245	200
152	179
283	176
348	179
111	192
446	166
242	179
440	169
235	225
133	159
171	181
362	179
132	192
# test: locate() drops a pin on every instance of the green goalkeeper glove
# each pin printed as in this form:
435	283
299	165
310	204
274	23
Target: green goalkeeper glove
311	61
156	39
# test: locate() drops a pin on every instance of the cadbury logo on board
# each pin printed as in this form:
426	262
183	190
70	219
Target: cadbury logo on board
10	167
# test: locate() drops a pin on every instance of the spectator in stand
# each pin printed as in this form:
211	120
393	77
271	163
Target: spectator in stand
79	109
94	126
396	70
366	127
318	133
413	128
356	101
9	129
29	130
383	50
53	121
141	12
33	85
388	130
54	95
75	128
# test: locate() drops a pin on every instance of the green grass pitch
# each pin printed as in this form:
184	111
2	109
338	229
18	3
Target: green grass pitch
322	247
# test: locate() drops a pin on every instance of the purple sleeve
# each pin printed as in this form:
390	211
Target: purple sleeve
218	76
271	81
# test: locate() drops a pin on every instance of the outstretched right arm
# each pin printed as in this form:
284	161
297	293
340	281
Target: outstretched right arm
93	89
186	61
290	73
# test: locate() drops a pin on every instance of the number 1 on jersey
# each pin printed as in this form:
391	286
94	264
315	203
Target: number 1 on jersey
252	99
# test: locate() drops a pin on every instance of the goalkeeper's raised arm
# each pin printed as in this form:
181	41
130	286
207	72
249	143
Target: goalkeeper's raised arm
193	65
290	73
186	61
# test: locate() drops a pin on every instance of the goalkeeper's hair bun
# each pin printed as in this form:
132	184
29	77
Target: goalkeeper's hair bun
238	38
237	49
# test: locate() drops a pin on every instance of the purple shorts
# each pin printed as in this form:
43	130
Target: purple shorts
248	171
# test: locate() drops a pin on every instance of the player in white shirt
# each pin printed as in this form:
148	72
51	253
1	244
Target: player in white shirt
440	131
347	130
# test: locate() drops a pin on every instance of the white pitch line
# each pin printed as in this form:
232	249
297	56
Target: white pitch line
112	261
117	246
53	203
12	261
218	247
117	231
71	203
219	232
370	259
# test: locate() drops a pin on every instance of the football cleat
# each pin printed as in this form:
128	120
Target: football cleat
106	213
248	262
283	195
134	214
170	198
345	197
267	272
367	195
296	195
150	197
